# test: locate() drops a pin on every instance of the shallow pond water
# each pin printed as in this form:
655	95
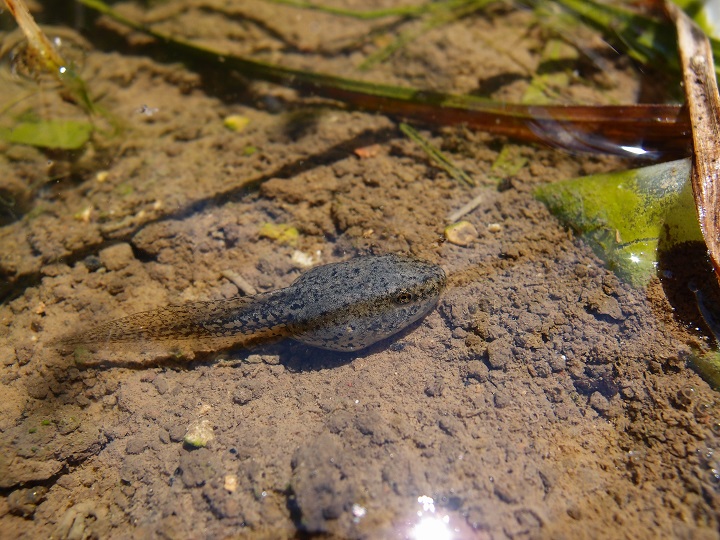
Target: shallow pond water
543	398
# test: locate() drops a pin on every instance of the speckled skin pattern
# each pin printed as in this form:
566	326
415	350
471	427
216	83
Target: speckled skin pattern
344	306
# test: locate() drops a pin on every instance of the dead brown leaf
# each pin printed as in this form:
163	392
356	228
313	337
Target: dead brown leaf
704	104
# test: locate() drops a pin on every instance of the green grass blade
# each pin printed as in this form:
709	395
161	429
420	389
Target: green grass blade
437	156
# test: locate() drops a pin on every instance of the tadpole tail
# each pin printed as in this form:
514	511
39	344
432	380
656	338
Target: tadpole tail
240	317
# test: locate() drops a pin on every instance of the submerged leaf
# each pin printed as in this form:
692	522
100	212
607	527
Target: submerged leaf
59	134
627	216
708	367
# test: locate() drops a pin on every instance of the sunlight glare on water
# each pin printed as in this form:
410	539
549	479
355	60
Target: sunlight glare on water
430	527
635	150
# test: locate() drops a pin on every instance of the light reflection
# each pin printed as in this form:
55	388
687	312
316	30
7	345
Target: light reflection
635	150
358	512
428	504
430	527
570	138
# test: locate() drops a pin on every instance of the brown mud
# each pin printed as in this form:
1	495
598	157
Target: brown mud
542	399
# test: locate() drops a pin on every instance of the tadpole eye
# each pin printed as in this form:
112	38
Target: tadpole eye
404	297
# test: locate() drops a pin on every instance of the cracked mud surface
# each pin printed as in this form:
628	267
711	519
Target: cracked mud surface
543	398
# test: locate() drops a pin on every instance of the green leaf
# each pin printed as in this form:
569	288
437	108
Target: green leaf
707	365
60	134
628	216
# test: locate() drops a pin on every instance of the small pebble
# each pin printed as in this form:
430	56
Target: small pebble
231	482
368	151
92	263
109	401
117	257
242	396
7	355
599	402
499	354
176	432
240	282
84	215
558	363
462	233
199	434
23	502
475	369
271	359
136	445
305	260
435	388
502	399
161	385
459	333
